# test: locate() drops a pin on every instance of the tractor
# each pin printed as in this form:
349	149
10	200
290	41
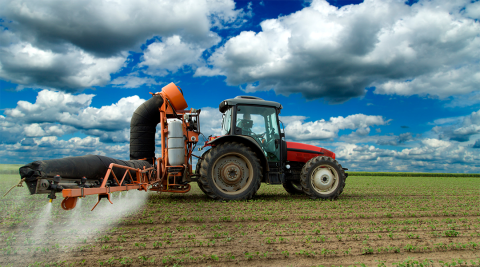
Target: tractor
251	150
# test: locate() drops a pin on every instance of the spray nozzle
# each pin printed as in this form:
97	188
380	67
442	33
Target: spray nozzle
55	187
83	182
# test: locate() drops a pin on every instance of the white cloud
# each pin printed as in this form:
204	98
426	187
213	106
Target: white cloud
335	53
114	117
75	111
77	44
460	128
68	70
33	130
172	55
443	83
322	129
473	10
401	139
210	121
430	155
290	119
106	27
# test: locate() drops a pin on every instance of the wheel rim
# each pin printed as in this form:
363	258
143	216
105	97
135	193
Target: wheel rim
232	173
324	179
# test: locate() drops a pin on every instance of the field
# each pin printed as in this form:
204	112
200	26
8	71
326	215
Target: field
378	221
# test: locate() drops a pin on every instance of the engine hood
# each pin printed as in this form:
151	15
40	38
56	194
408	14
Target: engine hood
302	152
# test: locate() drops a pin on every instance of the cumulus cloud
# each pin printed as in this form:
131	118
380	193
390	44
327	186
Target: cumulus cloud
290	119
32	131
75	111
68	70
42	130
335	53
211	121
396	140
321	129
106	28
160	58
461	128
77	44
442	83
431	155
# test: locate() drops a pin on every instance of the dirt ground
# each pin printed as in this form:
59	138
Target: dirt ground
378	221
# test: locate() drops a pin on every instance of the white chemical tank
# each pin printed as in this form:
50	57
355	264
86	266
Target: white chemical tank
176	149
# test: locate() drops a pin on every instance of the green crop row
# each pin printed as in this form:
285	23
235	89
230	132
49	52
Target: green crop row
9	172
413	174
9	168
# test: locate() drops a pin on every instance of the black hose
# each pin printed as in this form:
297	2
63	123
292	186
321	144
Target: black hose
142	129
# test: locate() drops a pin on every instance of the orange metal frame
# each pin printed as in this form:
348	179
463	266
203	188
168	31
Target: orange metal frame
142	180
160	177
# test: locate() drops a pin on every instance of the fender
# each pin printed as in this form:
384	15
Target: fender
248	141
303	152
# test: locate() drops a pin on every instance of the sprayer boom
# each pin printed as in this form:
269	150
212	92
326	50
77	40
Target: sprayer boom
143	179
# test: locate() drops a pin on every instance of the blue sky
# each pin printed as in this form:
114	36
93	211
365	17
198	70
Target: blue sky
386	85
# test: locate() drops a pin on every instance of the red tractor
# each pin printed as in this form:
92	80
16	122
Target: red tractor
252	150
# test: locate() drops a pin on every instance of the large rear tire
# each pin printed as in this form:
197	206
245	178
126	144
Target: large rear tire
230	171
293	187
322	177
197	171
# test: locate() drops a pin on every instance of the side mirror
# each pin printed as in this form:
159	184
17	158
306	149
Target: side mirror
282	131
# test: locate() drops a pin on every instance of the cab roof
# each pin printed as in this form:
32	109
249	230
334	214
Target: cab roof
247	100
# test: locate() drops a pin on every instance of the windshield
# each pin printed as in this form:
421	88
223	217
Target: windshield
260	123
227	121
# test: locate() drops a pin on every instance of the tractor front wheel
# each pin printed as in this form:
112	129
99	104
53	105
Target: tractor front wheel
322	177
230	171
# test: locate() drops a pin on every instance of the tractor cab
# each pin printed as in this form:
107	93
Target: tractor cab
255	118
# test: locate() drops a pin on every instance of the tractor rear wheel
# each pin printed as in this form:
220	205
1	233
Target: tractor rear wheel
293	187
197	171
322	177
230	171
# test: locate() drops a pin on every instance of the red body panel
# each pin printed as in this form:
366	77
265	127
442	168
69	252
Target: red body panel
295	153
